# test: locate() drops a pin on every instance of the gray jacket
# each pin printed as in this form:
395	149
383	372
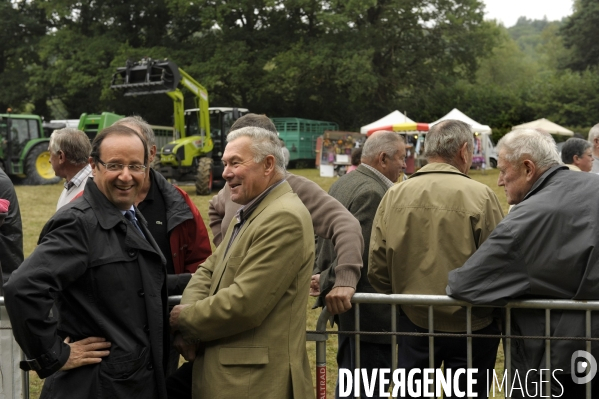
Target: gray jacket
546	247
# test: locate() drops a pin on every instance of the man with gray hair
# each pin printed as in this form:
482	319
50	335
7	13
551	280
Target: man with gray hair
577	154
424	228
546	247
245	307
383	158
594	140
69	156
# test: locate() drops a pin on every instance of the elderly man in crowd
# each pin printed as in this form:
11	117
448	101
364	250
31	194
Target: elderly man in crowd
594	140
245	307
424	228
97	260
330	219
69	156
577	154
546	247
383	159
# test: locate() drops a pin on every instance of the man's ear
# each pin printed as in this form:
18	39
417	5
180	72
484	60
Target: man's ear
61	157
269	164
93	165
530	169
464	152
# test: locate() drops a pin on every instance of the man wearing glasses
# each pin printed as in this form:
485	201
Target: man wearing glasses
97	260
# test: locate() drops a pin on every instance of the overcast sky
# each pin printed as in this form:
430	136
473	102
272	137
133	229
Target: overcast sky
508	11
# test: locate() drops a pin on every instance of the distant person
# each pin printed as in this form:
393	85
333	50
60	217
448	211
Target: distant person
545	248
245	308
97	261
425	227
11	232
356	156
383	159
577	154
594	140
286	154
174	221
69	156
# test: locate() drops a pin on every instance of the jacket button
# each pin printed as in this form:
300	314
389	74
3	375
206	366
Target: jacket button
150	366
141	293
132	252
147	328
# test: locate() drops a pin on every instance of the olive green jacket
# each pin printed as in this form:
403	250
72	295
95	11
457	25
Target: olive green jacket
249	306
424	228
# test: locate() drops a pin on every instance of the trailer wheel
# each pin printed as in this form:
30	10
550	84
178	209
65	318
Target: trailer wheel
493	163
204	176
38	168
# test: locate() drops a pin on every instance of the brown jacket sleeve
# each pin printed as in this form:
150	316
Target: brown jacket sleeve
332	221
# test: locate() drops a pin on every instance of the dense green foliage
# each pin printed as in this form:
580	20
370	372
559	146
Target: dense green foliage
348	61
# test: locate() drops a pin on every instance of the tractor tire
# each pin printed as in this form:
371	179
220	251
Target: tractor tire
493	163
204	176
37	167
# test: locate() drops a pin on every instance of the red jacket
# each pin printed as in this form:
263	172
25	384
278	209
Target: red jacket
190	244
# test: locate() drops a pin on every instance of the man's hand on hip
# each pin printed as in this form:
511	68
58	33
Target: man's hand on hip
87	351
339	299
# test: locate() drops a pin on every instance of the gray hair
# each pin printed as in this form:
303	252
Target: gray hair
143	126
539	146
594	132
381	141
264	143
255	120
75	145
445	139
574	146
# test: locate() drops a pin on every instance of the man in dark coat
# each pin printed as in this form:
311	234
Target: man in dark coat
545	248
97	260
11	232
383	158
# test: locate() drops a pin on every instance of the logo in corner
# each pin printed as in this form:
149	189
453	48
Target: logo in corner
583	367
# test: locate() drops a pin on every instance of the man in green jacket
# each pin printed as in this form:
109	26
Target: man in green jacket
424	228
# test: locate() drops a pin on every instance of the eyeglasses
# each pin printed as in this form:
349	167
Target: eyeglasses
117	167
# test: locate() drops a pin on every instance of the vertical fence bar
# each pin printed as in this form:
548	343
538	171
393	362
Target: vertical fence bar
469	339
393	342
357	338
548	351
321	369
431	339
508	351
588	348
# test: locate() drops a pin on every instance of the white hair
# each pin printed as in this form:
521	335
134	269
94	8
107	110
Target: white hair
594	132
539	146
264	143
381	141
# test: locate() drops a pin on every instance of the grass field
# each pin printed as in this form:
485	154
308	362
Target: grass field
38	203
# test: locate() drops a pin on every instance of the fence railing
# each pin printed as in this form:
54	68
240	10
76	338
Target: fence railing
433	301
321	334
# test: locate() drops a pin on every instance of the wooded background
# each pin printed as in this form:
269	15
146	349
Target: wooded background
347	61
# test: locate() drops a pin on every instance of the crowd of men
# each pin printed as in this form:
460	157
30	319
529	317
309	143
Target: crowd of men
89	306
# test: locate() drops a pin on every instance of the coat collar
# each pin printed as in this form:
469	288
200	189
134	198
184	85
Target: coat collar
177	210
544	177
367	172
438	167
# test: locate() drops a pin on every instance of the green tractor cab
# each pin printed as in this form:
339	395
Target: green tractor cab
24	151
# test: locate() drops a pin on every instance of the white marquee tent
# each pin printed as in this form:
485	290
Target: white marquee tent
393	118
547	126
459	115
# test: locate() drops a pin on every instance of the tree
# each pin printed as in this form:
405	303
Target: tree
580	34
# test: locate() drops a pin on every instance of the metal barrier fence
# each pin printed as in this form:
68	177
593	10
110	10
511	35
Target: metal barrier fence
320	335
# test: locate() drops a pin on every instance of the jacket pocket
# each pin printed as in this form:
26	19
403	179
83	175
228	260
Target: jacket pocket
243	356
129	378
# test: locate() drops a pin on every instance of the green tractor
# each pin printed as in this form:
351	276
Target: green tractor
24	151
200	133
